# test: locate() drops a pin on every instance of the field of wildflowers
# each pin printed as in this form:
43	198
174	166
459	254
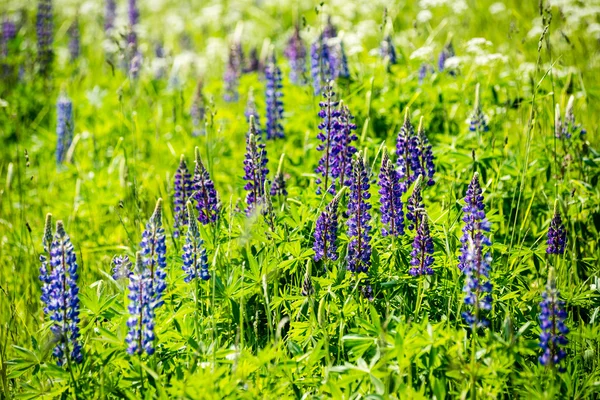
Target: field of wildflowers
284	199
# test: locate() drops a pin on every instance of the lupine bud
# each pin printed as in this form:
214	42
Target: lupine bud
326	228
64	127
427	166
478	121
62	298
183	190
110	15
251	110
255	170
557	235
367	290
446	53
414	204
205	195
390	189
387	50
233	71
475	260
359	249
307	286
553	336
74	44
273	95
195	261
422	253
278	188
45	266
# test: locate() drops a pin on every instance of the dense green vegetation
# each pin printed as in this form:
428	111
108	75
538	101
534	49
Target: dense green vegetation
249	331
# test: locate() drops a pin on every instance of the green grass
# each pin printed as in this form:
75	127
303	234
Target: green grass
254	335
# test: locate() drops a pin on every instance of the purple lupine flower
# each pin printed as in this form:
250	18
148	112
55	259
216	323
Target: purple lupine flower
342	149
392	214
387	50
358	257
198	110
205	195
329	31
195	261
425	69
133	12
273	95
154	252
110	15
414	204
233	72
478	121
45	36
9	32
326	135
278	188
252	62
553	335
422	253
296	54
326	228
320	64
407	151
182	191
251	110
74	44
255	170
45	266
427	166
446	53
570	127
142	303
474	260
121	267
557	235
62	298
366	289
64	127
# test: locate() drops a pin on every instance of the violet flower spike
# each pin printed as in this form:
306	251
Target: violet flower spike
358	258
326	135
45	36
296	54
557	235
278	187
422	253
475	260
390	190
45	266
251	110
74	40
387	50
195	260
110	15
182	192
326	229
427	165
478	121
342	148
414	204
205	195
407	151
142	303
255	170
154	251
122	267
62	298
64	127
553	335
198	111
273	96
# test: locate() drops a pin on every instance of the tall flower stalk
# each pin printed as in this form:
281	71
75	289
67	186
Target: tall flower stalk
273	96
45	36
425	152
557	235
142	304
326	229
64	127
326	135
154	254
342	148
407	152
358	258
296	54
205	195
61	296
422	253
390	190
553	335
182	192
195	261
475	260
478	121
255	170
